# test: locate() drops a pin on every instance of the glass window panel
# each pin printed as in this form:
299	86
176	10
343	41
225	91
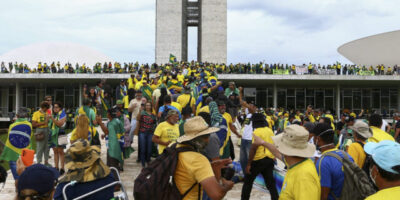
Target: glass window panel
291	103
69	102
366	102
385	103
347	92
31	90
24	96
76	98
270	92
49	91
310	92
376	100
290	92
69	90
270	102
261	98
347	102
356	100
366	92
319	99
393	101
300	99
31	102
59	95
11	90
310	101
282	98
329	103
329	92
384	92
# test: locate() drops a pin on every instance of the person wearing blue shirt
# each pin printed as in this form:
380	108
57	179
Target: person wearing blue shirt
167	104
329	169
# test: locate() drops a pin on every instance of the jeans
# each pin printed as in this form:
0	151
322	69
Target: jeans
133	127
13	167
244	153
145	146
42	147
264	167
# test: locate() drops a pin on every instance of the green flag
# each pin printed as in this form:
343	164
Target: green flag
172	58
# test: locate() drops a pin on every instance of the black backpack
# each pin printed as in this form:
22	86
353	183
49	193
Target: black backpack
356	185
164	114
156	181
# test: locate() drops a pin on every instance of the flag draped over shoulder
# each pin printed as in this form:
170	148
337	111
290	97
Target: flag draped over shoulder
147	92
19	137
54	128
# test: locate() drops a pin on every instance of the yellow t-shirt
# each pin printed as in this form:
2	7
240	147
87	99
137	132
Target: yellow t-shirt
270	121
181	78
386	194
74	137
379	135
301	182
265	134
39	117
177	106
203	109
131	83
356	151
167	133
184	100
192	168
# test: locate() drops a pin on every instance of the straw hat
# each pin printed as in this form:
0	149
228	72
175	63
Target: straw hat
83	163
194	128
362	129
293	141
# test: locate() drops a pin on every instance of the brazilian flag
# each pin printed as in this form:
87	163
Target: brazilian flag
19	137
172	59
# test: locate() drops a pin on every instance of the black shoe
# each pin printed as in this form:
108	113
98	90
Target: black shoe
62	171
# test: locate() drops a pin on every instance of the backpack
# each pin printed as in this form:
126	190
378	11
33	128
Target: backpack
367	164
156	181
164	114
356	185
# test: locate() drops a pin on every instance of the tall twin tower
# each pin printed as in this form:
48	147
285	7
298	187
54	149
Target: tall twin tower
173	17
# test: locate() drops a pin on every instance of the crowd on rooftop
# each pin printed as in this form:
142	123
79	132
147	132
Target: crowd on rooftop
238	68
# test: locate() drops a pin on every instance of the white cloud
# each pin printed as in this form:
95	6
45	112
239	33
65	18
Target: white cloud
290	31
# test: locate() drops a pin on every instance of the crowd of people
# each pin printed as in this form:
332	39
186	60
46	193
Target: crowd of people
189	121
184	67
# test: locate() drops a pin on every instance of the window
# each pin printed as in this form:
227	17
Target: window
300	101
319	99
282	98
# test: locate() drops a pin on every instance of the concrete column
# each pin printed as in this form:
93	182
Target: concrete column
17	96
398	99
80	94
338	101
275	95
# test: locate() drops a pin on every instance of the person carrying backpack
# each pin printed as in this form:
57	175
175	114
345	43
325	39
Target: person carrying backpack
186	100
182	172
361	133
340	177
385	170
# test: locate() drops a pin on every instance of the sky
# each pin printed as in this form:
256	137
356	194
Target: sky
271	31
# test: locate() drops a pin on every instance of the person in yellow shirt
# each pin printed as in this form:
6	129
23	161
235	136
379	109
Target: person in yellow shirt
40	121
193	168
361	132
260	159
375	122
167	132
385	170
291	146
184	99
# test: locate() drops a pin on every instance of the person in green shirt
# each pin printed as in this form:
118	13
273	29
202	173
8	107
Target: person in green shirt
115	137
232	89
19	137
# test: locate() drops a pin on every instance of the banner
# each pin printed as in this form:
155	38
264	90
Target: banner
280	71
367	73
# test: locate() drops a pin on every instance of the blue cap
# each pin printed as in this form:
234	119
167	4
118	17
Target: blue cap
385	154
38	177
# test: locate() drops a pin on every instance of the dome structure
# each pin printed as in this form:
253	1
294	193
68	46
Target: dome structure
49	52
374	50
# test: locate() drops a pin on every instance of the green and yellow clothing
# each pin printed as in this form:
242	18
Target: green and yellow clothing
386	194
167	133
39	117
379	135
192	167
184	100
115	135
301	182
265	134
356	151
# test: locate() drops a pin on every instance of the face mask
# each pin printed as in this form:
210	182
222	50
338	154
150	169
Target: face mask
372	178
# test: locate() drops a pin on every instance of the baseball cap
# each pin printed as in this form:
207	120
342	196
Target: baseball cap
38	177
385	154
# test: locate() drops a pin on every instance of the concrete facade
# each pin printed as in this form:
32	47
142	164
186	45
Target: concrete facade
173	17
373	50
169	24
213	32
